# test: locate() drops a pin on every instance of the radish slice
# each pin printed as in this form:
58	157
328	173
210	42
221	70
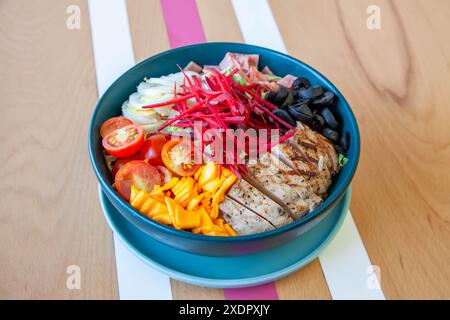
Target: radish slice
139	116
156	91
147	89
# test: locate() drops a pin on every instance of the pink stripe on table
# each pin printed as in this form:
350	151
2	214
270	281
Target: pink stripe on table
266	291
183	22
183	28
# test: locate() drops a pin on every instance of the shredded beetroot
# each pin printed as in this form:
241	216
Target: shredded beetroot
225	105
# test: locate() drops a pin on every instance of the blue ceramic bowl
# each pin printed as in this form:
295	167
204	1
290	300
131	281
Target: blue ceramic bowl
110	103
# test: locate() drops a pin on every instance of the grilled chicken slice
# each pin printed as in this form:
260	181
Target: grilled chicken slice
283	184
241	219
312	156
315	145
255	200
316	174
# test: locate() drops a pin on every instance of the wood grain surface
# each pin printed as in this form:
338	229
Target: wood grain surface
147	27
396	79
50	217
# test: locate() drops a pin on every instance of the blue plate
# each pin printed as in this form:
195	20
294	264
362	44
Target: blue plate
231	271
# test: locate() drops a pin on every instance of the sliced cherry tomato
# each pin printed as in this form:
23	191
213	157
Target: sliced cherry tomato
166	174
139	173
178	157
120	162
112	124
152	147
124	142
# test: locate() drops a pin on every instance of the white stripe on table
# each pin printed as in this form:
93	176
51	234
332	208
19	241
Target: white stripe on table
345	262
347	267
113	54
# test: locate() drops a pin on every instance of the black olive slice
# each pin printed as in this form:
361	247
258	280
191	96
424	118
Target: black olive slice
282	94
330	120
344	140
330	134
271	96
326	100
317	123
339	149
284	115
300	83
290	99
302	101
301	113
310	92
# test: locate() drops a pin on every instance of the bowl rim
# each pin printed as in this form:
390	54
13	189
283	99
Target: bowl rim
335	195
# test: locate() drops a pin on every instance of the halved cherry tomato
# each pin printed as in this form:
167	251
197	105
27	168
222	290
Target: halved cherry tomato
112	124
120	162
124	142
178	157
139	173
165	173
152	147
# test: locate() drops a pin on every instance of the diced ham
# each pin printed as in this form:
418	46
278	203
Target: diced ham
192	66
287	81
270	85
248	60
254	75
240	60
247	65
266	70
227	61
211	67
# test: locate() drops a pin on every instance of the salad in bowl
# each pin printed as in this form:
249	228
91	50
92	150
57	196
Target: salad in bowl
231	148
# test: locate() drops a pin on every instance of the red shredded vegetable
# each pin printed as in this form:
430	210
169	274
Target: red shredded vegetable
225	105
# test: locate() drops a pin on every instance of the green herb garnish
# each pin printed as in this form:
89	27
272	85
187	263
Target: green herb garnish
342	160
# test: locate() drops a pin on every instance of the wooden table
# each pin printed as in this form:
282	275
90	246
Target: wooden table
396	79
